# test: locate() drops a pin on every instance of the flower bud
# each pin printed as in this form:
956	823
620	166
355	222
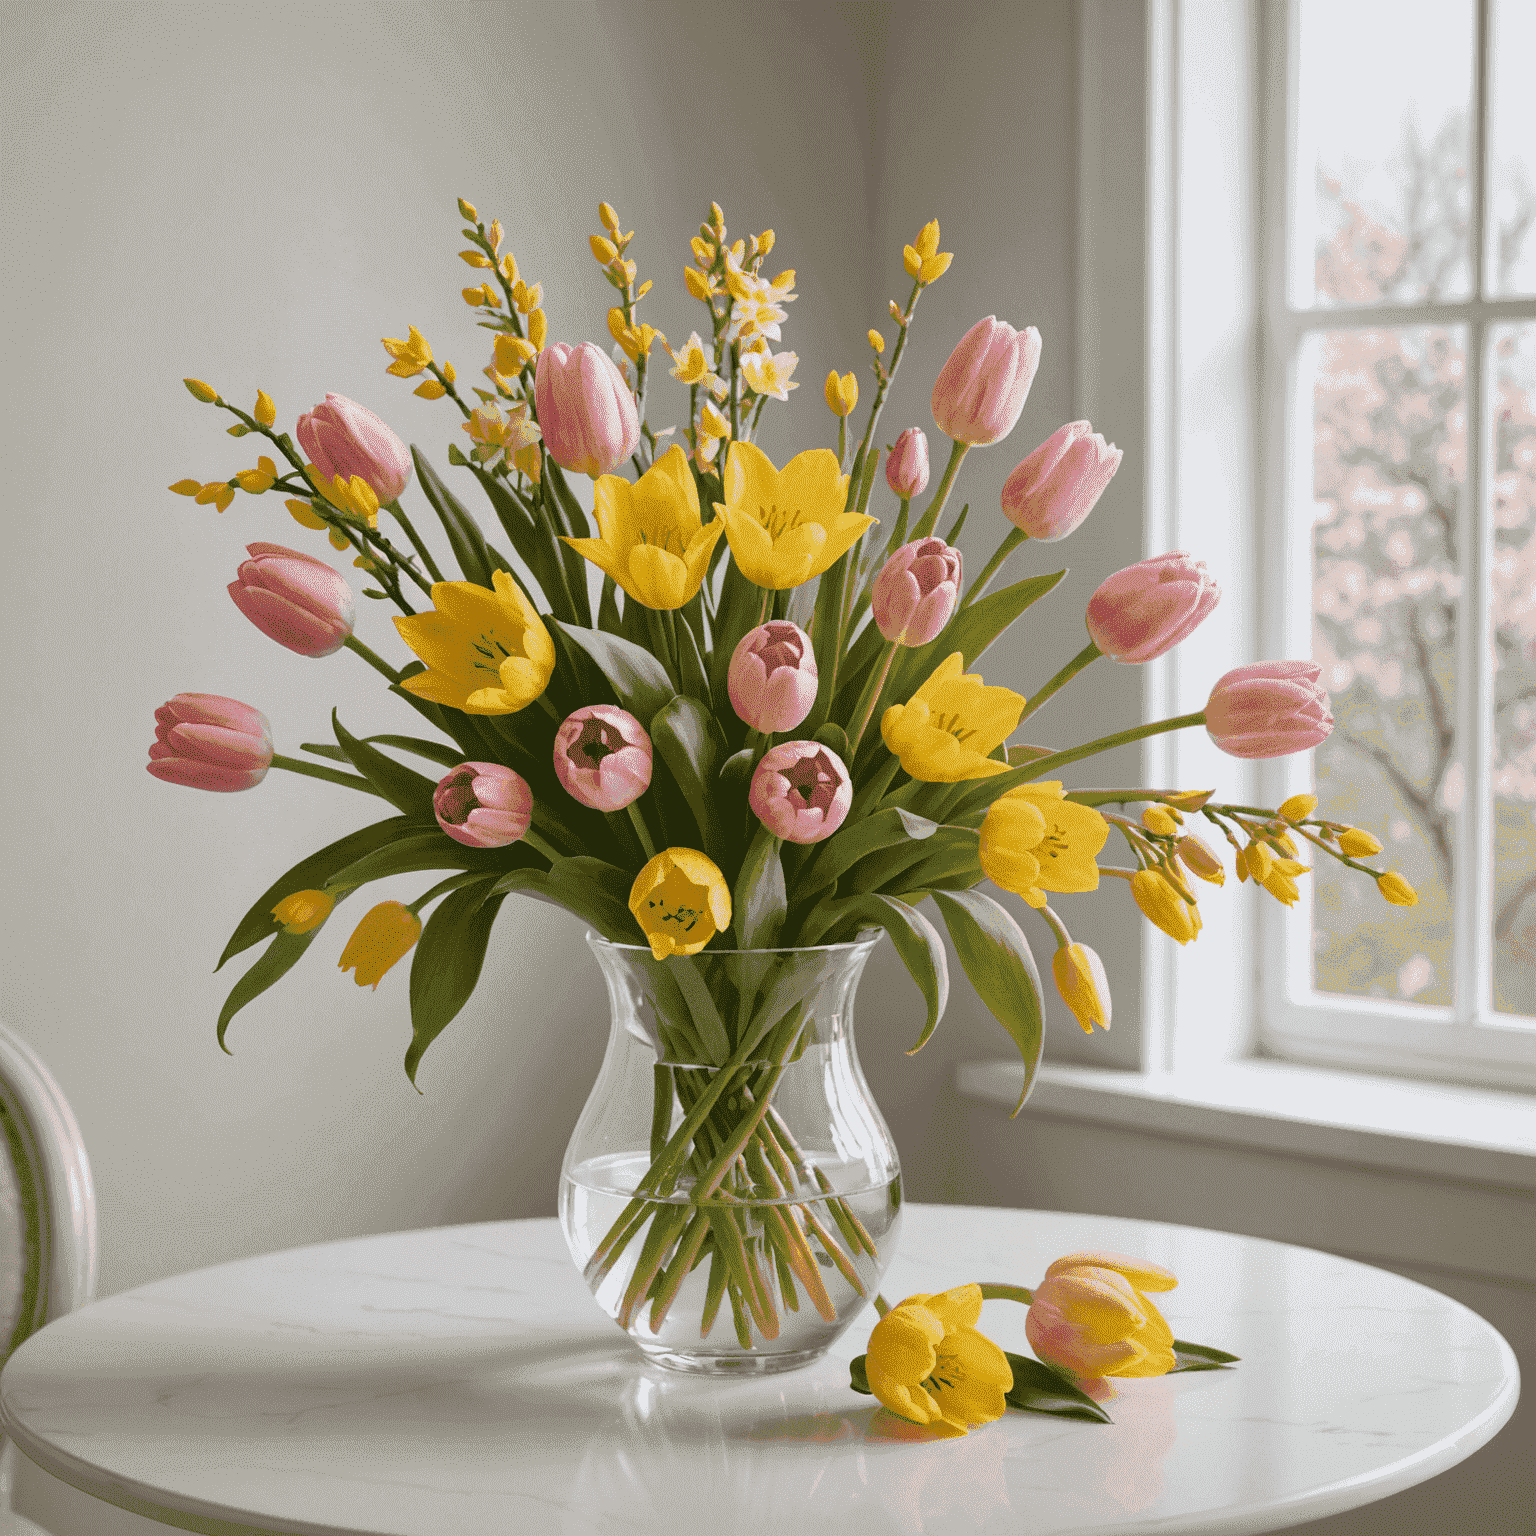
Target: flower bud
1298	807
1144	610
586	412
1163	905
386	934
603	757
265	412
1358	844
801	791
294	599
483	805
1397	890
206	741
842	393
346	439
981	389
467	211
916	592
200	391
1268	709
1056	487
772	679
1197	854
906	465
1259	859
303	911
1157	818
1079	976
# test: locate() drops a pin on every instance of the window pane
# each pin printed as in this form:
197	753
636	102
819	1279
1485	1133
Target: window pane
1512	161
1384	91
1389	466
1513	500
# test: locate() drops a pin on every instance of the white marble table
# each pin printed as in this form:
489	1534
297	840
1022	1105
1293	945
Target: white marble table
462	1382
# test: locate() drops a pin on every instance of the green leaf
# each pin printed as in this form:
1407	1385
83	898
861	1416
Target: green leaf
844	849
309	875
690	662
759	904
1038	1389
436	751
832	735
609	619
639	681
446	965
425	850
998	962
279	957
590	889
401	786
918	943
464	535
1199	1357
689	740
530	540
949	861
858	1376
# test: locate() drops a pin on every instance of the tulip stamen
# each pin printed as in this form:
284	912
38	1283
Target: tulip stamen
778	523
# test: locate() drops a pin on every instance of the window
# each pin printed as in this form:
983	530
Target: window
1400	392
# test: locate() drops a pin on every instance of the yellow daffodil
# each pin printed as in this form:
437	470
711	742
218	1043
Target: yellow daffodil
1159	899
385	935
681	901
487	653
928	1364
788	525
692	367
949	728
1355	842
1090	1317
1079	976
411	356
304	911
652	541
768	373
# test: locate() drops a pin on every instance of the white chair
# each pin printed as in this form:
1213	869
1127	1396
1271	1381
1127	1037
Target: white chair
47	1221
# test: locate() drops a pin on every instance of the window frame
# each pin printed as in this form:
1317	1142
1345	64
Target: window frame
1467	1042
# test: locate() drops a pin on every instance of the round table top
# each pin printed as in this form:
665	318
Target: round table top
462	1380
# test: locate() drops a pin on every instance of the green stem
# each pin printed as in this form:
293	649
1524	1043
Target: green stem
315	771
373	659
992	1290
1011	541
927	522
641	830
882	1306
872	698
898	533
538	843
1090	652
1044	765
452	883
411	534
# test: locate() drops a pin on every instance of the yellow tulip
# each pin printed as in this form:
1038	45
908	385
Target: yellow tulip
487	653
304	911
788	525
1079	976
1009	836
1162	904
1063	854
385	935
1397	890
1091	1318
842	393
681	901
928	1364
652	541
949	728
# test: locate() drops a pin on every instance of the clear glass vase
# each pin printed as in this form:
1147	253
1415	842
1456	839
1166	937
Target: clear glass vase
731	1193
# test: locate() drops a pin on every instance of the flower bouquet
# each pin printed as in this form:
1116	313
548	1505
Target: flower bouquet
733	729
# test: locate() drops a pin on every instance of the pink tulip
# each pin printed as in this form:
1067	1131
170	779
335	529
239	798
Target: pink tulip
344	438
586	412
483	805
1269	709
772	679
206	741
906	465
982	388
1056	487
603	757
294	599
1147	608
914	595
801	791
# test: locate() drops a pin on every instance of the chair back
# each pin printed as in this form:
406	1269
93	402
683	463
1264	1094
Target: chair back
47	1201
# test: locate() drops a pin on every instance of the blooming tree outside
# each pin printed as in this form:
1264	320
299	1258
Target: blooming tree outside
1390	460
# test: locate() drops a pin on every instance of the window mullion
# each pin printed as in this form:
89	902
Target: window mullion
1472	875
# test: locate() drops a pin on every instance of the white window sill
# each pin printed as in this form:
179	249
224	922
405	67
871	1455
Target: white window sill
1443	1130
